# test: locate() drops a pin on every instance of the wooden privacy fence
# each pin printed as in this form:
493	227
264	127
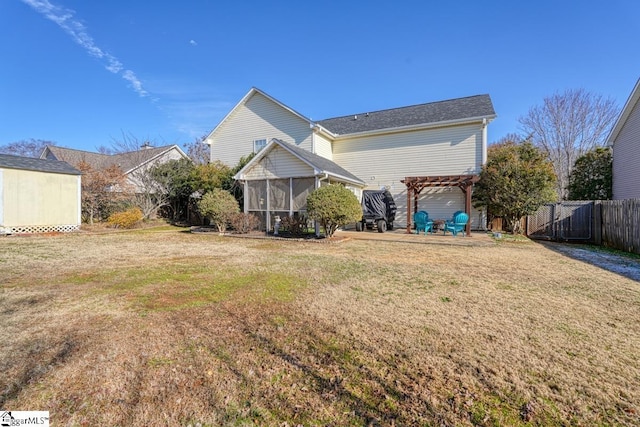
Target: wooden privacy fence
611	223
621	224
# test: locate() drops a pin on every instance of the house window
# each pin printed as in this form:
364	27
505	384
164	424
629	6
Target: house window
259	144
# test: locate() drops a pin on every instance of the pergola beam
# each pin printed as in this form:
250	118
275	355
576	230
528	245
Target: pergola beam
415	185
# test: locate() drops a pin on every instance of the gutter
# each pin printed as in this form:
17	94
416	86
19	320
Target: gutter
324	177
408	128
316	128
344	178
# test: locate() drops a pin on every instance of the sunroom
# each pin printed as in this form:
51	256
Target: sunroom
279	178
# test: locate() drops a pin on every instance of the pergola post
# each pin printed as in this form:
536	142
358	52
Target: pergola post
416	184
409	192
467	207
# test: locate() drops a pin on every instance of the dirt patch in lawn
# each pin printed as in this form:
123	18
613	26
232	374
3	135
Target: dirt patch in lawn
166	327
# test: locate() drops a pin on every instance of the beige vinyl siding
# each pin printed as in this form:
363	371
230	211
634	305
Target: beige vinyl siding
257	118
384	160
135	176
323	146
442	202
626	158
279	163
31	198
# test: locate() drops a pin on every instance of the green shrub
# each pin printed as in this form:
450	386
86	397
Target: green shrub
125	219
218	205
333	205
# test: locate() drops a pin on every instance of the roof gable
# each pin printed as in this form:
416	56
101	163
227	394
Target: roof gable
453	110
319	164
39	165
252	92
625	113
125	161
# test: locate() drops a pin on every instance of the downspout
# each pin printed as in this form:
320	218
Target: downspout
484	141
483	215
245	189
316	225
268	215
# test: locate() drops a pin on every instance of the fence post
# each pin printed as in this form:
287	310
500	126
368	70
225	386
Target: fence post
597	222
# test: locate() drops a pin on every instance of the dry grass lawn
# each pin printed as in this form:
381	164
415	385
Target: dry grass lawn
165	327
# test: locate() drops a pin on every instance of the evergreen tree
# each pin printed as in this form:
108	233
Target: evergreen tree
592	176
517	179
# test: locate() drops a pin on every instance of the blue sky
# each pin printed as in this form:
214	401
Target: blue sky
83	73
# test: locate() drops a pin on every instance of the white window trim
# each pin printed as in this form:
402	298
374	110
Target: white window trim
259	140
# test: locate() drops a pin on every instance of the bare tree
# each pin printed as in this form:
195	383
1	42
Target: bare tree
150	195
198	151
127	143
567	125
101	189
103	149
26	147
510	138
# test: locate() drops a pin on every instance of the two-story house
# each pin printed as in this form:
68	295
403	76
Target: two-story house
426	155
625	140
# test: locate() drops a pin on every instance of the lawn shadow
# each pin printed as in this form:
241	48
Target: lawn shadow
334	369
625	265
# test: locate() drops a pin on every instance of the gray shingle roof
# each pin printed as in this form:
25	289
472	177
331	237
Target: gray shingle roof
433	112
319	162
125	161
39	165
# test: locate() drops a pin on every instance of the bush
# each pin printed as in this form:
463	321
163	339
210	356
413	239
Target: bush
517	179
243	223
333	205
296	226
125	219
218	205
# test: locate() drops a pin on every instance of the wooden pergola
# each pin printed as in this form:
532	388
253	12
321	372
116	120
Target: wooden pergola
415	184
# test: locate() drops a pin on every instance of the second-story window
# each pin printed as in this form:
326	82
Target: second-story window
259	144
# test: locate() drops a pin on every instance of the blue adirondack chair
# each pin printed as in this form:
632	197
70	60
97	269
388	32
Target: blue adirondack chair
457	223
422	222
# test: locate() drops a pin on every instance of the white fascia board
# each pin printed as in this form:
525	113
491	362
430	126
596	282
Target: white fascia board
422	126
244	99
294	154
317	171
345	179
162	153
624	114
46	150
291	110
259	156
323	131
224	119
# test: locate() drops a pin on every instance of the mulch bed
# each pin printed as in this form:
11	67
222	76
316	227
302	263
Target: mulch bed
270	236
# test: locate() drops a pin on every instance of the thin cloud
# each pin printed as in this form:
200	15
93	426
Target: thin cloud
135	83
193	42
191	108
64	18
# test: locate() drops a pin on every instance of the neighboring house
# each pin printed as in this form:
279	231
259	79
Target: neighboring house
421	153
133	164
38	195
625	140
